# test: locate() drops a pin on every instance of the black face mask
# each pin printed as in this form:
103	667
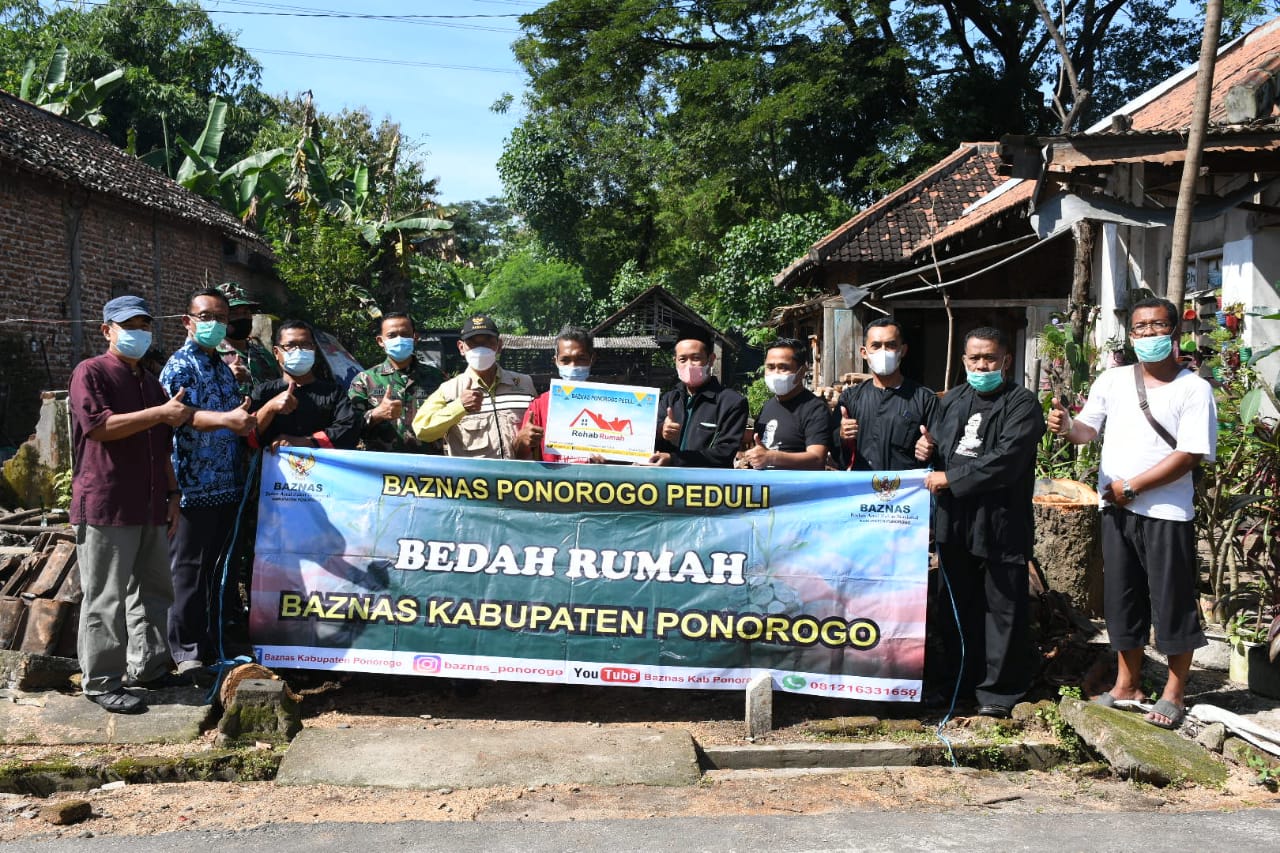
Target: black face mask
238	330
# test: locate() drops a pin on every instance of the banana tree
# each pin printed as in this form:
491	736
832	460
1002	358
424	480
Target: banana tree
248	188
79	102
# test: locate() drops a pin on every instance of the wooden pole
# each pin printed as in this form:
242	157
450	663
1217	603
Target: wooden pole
1195	148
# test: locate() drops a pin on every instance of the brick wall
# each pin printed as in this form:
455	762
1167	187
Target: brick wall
123	248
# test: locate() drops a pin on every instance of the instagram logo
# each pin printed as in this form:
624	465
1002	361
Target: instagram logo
426	663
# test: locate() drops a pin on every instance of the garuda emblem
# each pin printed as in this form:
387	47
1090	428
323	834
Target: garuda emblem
886	487
302	465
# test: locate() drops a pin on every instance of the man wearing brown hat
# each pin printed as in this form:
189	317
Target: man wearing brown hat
248	359
124	497
477	412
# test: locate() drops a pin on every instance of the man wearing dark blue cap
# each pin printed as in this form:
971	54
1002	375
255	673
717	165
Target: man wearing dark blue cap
124	495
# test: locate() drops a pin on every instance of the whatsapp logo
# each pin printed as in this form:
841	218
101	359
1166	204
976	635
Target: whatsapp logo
794	682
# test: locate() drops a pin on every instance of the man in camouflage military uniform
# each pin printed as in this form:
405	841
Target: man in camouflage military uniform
387	396
249	360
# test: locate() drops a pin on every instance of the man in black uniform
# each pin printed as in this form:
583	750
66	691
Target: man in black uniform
794	425
881	421
700	422
987	433
302	409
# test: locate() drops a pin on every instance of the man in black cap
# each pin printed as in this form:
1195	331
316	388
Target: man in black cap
124	497
477	412
248	359
700	422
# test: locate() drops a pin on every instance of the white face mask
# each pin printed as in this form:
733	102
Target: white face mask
781	383
883	362
480	358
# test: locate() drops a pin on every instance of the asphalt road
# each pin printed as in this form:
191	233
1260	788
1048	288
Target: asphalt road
918	832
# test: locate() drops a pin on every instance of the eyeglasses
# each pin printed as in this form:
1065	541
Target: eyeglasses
205	317
1153	326
295	347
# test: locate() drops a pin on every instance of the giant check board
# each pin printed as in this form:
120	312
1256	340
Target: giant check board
592	574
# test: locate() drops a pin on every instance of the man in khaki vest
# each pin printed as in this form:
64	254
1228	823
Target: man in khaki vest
477	413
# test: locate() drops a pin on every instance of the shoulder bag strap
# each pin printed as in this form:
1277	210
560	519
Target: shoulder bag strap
1146	408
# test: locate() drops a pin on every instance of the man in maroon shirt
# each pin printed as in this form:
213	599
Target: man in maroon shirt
123	496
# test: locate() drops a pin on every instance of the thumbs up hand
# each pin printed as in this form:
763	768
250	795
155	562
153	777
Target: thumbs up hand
925	445
848	426
239	421
286	401
1059	418
389	409
670	428
175	413
472	398
757	456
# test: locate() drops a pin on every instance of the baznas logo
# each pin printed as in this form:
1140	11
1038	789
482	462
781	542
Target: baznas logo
794	682
302	465
886	487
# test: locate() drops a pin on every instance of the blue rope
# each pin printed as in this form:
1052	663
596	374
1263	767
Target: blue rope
955	613
225	664
955	694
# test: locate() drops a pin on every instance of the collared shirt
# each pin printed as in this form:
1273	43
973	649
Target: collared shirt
713	420
323	412
262	366
488	433
207	464
411	385
889	421
125	482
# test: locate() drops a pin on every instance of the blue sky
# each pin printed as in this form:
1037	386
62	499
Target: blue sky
454	69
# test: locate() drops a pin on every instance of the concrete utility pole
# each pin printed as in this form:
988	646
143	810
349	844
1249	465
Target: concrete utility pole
1195	147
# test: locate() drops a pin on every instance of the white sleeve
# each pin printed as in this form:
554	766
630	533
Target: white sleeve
1094	413
1198	421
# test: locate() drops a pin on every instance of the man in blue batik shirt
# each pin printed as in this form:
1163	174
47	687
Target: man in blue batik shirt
206	460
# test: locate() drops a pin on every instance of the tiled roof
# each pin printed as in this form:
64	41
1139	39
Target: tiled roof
1017	194
1168	107
890	230
38	141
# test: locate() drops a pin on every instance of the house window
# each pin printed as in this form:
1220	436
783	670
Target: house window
1204	271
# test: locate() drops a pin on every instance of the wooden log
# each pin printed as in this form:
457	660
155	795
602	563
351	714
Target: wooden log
1068	544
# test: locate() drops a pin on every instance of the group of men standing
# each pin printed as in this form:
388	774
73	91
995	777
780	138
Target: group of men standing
150	546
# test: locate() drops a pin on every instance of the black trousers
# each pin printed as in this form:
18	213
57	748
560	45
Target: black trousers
195	558
993	602
1149	578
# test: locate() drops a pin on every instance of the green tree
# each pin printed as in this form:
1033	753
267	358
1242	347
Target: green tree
533	295
174	57
740	293
652	129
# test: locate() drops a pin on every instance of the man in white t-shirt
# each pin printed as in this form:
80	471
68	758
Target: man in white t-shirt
1145	482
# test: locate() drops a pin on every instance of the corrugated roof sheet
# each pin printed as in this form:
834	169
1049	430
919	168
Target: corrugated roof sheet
548	342
38	141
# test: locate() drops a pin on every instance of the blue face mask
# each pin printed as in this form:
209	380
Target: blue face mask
399	349
985	381
1153	349
299	362
133	343
573	373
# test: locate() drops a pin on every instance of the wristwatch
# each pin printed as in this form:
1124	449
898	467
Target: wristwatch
1127	491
